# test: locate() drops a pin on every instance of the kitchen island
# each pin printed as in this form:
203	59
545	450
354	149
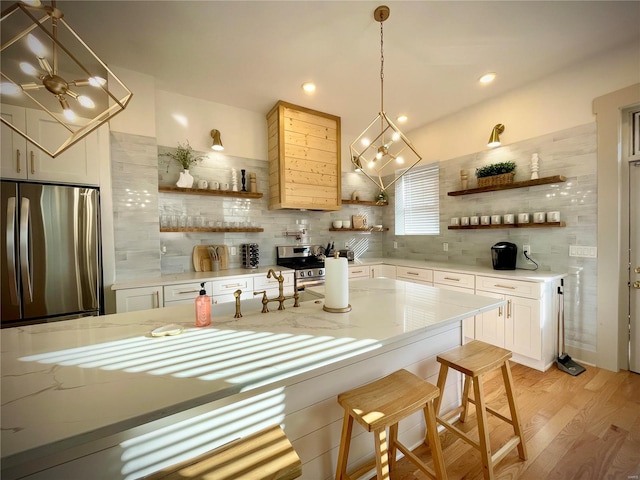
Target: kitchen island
100	398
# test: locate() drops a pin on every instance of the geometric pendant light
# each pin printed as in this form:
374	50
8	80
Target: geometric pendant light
47	67
382	147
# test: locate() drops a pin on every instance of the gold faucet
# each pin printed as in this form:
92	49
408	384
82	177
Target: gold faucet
281	297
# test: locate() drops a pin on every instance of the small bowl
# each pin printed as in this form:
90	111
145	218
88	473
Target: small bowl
337	224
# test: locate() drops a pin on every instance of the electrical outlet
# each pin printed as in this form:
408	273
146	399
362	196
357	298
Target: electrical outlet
526	248
234	251
395	244
445	246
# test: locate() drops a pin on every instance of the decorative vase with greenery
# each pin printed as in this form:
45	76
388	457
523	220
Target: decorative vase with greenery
496	174
186	158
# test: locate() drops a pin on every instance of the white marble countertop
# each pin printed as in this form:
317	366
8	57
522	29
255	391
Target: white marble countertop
75	381
527	275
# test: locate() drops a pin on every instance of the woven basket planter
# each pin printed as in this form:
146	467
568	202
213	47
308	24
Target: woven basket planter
493	180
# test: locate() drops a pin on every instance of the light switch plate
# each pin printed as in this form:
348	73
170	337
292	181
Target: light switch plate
583	251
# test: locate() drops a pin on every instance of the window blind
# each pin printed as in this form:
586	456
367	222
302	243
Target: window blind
417	201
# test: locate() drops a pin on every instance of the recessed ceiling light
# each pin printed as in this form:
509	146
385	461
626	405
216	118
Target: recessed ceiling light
487	77
401	118
309	87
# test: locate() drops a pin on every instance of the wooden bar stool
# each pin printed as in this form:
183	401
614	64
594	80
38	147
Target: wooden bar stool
383	404
474	360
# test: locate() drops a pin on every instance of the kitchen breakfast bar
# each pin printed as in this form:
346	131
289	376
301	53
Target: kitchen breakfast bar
101	398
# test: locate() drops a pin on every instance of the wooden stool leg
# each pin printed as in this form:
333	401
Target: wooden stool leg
382	454
393	439
483	429
345	443
442	380
515	418
465	398
434	441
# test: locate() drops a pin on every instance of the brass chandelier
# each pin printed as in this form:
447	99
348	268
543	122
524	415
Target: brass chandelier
382	145
47	67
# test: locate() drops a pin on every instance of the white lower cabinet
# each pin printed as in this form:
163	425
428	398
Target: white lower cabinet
526	325
184	293
135	299
387	271
359	271
460	282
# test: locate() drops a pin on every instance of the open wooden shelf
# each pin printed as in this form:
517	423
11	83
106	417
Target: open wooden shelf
508	186
211	229
214	193
503	225
369	229
365	202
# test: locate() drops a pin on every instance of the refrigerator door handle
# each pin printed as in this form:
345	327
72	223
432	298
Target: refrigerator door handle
25	254
11	250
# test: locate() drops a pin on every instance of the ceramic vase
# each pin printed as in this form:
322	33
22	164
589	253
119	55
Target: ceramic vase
185	180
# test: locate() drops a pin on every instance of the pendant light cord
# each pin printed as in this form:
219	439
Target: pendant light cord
381	68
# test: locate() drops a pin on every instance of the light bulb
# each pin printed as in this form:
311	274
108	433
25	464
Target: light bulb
379	155
36	46
217	148
29	69
7	88
366	142
400	160
395	137
97	81
69	115
86	101
372	164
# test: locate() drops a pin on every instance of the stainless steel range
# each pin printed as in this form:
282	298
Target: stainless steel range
306	260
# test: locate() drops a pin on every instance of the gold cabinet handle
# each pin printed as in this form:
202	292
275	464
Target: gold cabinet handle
499	311
232	286
33	163
637	269
413	273
18	169
636	284
188	291
157	298
505	286
508	308
452	279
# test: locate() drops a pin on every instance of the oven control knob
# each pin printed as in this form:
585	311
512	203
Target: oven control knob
301	274
320	272
309	273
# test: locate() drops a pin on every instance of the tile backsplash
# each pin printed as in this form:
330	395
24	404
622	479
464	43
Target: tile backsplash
142	251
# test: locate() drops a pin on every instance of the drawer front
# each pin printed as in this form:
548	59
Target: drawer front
231	284
455	279
359	272
261	282
509	287
184	291
414	274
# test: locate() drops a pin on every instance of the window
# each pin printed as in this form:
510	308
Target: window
417	201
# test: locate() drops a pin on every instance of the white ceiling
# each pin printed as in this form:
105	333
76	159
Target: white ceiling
249	54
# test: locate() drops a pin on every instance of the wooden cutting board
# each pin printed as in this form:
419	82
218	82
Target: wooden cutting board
202	259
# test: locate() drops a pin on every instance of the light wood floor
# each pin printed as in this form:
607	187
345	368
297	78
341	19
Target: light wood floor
584	427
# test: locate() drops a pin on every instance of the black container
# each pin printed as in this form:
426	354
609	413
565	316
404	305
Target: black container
504	256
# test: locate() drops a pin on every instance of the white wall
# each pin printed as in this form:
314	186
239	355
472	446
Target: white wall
551	104
243	133
139	118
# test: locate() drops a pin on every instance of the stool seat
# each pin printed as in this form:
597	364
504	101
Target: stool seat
475	359
381	404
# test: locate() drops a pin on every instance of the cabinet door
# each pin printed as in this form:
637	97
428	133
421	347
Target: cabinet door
522	327
415	275
185	293
13	153
490	325
135	299
79	164
468	324
387	271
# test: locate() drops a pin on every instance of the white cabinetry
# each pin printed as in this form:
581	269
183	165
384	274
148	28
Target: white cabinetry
262	283
415	275
185	293
460	282
387	271
359	271
21	160
223	289
143	298
526	325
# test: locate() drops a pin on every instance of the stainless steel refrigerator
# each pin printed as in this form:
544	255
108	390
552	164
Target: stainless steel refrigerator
51	253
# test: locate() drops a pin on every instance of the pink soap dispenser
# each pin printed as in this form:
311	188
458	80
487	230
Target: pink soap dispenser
203	308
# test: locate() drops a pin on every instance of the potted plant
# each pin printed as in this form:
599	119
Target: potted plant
496	174
185	157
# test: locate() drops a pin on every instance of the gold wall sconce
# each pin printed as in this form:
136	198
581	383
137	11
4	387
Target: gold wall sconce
217	142
47	67
494	138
